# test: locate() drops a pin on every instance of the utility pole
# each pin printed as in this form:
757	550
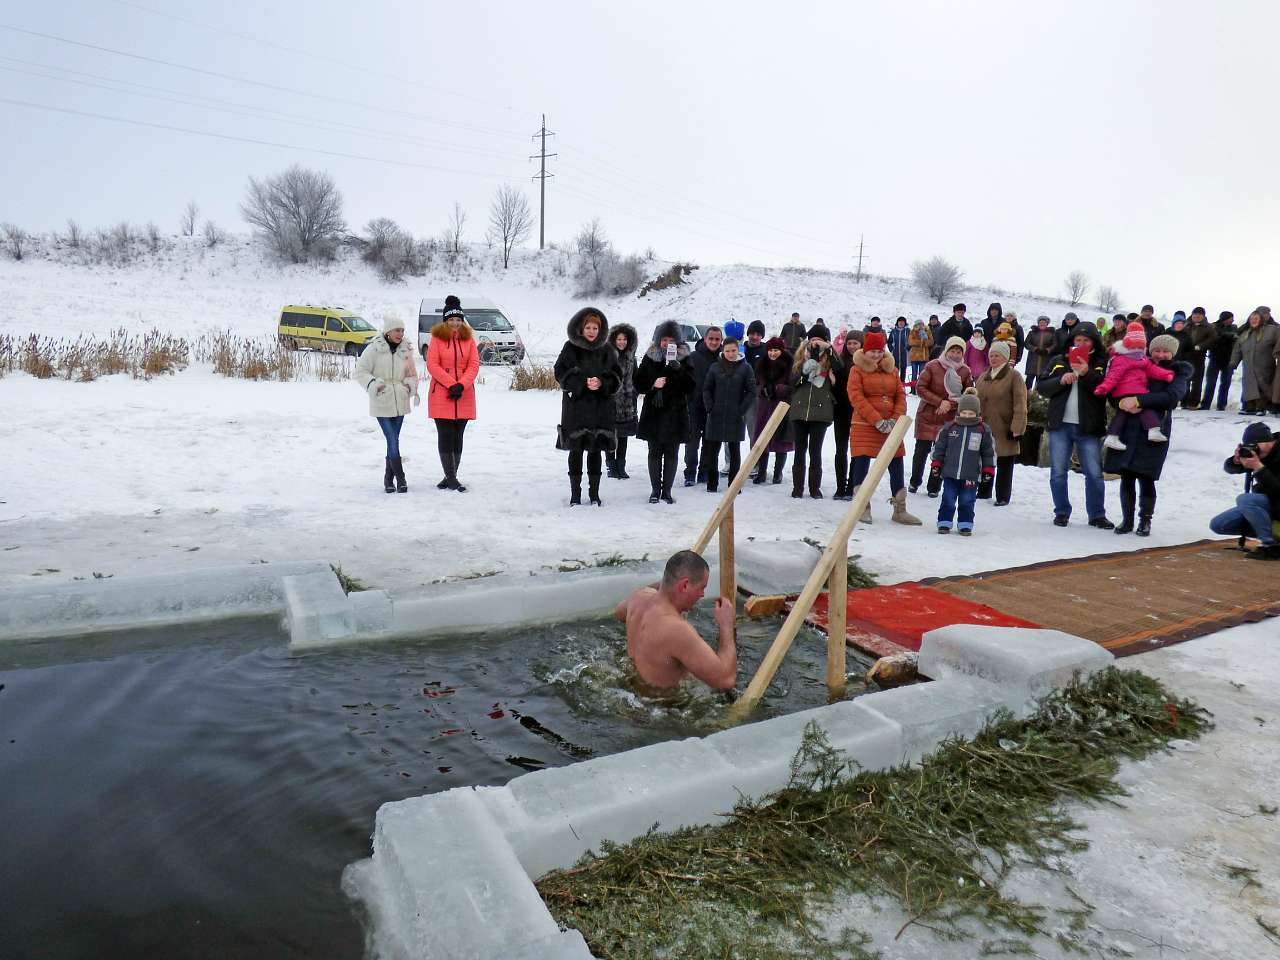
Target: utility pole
858	278
542	177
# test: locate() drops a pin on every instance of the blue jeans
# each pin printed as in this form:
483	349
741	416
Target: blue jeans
1089	450
967	495
391	430
1211	379
917	366
1251	512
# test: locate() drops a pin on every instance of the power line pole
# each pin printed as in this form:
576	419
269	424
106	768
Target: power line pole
858	278
541	176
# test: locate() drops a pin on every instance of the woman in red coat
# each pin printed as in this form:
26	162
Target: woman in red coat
453	363
878	399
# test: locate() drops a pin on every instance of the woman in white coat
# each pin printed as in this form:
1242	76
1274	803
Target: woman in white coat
387	373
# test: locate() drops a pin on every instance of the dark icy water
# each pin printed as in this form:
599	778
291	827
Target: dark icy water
197	793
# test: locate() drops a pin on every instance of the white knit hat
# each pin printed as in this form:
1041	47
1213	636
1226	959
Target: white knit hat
392	322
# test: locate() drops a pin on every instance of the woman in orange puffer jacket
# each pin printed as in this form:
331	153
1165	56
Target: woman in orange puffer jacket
878	399
453	363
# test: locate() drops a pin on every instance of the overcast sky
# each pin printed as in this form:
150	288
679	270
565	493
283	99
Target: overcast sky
1137	141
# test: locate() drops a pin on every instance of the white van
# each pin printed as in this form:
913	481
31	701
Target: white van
496	336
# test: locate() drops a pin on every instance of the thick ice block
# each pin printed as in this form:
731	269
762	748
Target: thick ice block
928	713
761	753
1024	664
317	609
460	893
775	566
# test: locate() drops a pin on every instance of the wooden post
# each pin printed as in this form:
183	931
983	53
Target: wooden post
728	570
726	503
839	545
837	616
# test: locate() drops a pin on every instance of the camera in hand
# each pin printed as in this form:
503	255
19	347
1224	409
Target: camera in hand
1247	450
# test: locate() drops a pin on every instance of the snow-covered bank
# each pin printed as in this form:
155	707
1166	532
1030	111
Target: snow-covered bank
1189	866
124	476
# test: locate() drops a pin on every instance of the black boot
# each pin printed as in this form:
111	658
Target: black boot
815	479
1146	509
593	489
1126	511
670	466
620	460
575	490
445	460
401	485
797	479
452	476
389	477
1144	526
762	469
611	465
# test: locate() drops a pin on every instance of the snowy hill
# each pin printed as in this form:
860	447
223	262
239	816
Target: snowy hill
188	287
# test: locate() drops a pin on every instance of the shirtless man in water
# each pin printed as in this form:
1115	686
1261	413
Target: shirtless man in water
660	641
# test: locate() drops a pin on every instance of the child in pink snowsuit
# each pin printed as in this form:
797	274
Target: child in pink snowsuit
1127	376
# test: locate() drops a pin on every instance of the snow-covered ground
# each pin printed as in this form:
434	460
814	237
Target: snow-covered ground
121	476
1189	865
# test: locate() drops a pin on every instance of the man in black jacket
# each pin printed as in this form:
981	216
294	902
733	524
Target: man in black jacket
793	333
704	354
1220	362
957	325
1077	418
1258	508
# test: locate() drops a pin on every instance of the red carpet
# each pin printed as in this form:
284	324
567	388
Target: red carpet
888	620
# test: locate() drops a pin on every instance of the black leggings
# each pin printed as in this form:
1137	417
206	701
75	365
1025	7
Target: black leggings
1004	477
861	465
808	437
711	454
1145	495
919	457
449	439
593	446
842	422
664	460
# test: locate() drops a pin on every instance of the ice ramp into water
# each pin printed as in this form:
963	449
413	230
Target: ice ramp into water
452	874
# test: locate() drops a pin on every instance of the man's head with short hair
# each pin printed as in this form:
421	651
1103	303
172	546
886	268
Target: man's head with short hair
684	579
795	316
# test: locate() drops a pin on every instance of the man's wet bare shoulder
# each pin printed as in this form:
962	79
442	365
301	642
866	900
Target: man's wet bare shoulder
665	648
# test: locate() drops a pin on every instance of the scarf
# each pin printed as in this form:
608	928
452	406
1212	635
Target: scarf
951	376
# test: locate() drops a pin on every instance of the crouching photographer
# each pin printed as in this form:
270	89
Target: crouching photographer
1258	508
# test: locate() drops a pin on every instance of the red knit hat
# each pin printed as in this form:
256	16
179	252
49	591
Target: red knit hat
872	340
1078	355
1135	337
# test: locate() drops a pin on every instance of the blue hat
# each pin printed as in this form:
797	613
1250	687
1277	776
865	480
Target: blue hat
735	329
1179	315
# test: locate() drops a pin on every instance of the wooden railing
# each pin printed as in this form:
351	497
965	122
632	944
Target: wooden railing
831	571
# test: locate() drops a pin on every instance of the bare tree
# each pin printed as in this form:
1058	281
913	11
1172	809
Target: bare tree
1077	284
383	235
15	238
213	234
117	243
936	278
75	236
594	249
453	232
153	237
509	220
188	220
299	211
1108	299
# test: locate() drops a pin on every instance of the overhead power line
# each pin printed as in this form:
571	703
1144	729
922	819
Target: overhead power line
472	128
340	62
183	98
254	140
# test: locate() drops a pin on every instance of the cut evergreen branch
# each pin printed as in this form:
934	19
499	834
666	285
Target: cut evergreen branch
941	839
349	583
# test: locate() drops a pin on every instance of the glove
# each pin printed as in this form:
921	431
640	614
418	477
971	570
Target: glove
884	426
455	392
935	479
985	484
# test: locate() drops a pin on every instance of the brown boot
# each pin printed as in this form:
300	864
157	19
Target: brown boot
866	514
900	515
